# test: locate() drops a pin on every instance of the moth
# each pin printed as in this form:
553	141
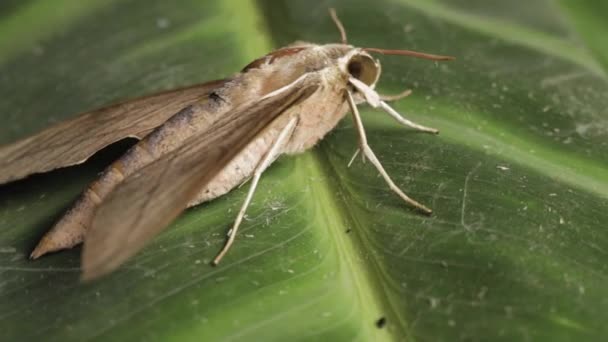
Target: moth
200	142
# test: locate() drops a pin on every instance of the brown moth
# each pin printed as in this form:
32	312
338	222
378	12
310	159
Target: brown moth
200	142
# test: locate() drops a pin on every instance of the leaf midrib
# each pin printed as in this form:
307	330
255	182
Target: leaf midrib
333	214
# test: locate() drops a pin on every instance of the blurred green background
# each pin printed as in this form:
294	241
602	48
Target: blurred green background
517	248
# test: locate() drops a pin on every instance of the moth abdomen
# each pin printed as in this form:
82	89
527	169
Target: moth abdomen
71	229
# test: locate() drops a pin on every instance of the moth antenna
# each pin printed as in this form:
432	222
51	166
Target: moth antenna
411	53
334	17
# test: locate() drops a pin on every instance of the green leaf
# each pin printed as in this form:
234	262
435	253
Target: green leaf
518	178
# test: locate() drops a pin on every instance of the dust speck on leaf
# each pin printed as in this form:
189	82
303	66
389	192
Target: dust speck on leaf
163	23
482	293
509	311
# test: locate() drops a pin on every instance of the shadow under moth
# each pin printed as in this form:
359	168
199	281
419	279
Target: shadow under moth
200	142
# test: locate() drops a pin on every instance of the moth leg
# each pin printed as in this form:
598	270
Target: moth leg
374	100
270	156
396	97
405	121
386	98
367	151
352	159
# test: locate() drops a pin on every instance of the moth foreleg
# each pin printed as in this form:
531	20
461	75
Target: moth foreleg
375	100
405	121
270	156
367	151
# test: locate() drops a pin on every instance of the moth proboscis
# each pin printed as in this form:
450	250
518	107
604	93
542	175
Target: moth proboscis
199	142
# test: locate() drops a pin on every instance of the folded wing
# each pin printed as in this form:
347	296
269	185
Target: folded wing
147	201
73	141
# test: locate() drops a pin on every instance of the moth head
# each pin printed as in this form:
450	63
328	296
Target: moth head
359	64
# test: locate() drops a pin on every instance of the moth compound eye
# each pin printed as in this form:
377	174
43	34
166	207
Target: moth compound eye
364	68
355	68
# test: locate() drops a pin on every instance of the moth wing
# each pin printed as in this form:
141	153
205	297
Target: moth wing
73	141
147	201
